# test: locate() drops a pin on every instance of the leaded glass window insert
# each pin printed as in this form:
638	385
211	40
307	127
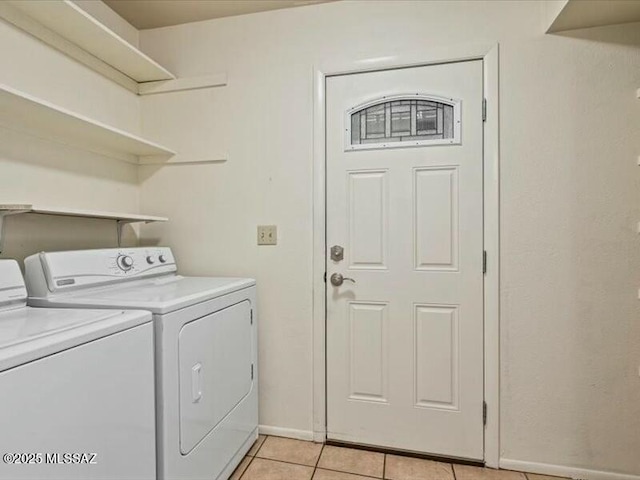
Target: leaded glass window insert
413	120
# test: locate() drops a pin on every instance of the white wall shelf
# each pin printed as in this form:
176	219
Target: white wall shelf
74	24
120	218
182	84
566	15
16	208
23	112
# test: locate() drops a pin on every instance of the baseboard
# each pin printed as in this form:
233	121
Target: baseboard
286	432
563	471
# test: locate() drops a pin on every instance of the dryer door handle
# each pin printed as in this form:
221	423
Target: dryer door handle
196	382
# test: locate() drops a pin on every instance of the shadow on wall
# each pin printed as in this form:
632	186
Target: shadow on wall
44	154
33	170
31	233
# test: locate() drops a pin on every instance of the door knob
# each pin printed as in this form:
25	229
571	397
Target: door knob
337	279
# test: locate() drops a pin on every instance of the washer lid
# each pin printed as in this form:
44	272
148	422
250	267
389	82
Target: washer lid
159	295
27	333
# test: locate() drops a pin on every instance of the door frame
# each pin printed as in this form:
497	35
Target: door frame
489	54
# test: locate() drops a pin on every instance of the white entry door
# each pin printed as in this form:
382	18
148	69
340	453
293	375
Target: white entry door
404	222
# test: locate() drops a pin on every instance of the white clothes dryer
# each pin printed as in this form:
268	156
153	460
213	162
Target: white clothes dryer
76	390
206	347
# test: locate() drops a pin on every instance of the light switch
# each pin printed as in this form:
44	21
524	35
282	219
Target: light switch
267	235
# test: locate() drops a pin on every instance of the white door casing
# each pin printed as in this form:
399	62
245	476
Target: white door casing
405	342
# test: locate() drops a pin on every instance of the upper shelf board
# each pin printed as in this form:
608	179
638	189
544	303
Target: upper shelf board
574	14
23	112
14	208
71	22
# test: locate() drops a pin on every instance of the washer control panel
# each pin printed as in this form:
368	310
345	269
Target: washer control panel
81	268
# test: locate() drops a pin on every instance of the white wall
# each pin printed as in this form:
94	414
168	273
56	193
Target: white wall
38	171
570	201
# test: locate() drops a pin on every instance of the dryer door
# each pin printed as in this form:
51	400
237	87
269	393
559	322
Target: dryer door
215	370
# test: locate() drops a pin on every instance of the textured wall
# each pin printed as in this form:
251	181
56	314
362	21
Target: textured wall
570	201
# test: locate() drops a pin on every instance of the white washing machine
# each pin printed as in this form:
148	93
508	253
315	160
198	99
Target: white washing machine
206	347
76	390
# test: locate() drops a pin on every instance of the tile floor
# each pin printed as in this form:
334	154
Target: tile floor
276	458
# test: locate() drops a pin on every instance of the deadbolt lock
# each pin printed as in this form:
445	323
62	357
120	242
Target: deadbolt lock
337	253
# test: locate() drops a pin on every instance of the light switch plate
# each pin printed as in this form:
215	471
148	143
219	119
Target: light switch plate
267	235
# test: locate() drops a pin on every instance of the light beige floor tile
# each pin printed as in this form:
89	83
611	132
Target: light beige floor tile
263	469
407	468
240	469
350	460
465	472
331	475
535	476
290	450
256	446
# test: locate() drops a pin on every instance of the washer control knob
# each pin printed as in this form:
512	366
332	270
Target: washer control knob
150	260
162	259
125	262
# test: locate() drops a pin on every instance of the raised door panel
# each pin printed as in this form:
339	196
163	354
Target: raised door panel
367	219
368	351
436	218
436	356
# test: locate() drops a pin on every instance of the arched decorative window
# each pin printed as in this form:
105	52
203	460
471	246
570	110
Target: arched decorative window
403	121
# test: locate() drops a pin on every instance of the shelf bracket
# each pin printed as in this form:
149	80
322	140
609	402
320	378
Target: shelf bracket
2	232
121	223
119	226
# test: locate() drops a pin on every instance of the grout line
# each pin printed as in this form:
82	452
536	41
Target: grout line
252	457
350	473
384	466
247	467
315	468
261	445
284	461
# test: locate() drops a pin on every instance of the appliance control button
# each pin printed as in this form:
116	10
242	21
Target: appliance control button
125	262
162	259
150	260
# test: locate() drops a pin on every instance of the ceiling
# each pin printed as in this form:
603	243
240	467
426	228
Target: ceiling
162	13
